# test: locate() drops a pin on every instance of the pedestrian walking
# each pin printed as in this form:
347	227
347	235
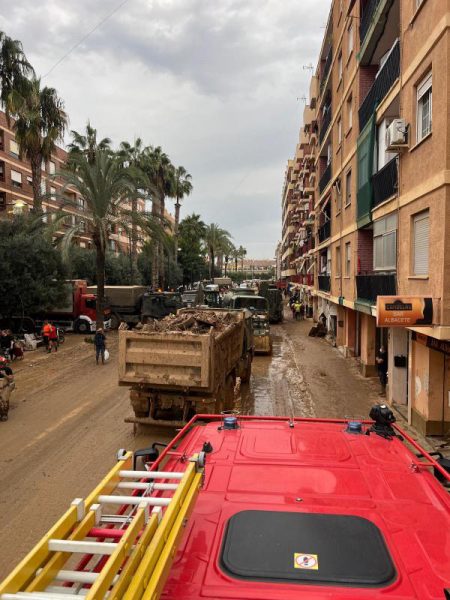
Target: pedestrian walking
52	339
6	387
100	345
298	310
46	329
382	366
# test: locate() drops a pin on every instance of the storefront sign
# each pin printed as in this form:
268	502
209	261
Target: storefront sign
433	343
404	311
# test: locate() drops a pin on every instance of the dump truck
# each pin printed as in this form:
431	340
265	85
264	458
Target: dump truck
259	307
125	302
186	364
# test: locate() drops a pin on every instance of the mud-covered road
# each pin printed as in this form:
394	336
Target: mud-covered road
67	421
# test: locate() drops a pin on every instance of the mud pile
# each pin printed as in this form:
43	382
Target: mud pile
195	321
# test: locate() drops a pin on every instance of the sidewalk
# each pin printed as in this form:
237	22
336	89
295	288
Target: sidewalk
335	384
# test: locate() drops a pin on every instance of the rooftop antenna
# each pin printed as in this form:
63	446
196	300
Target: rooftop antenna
309	67
302	98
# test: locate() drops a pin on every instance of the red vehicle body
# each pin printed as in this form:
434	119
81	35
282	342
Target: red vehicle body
312	467
79	310
280	509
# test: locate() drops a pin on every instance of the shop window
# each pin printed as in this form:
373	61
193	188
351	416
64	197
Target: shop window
424	107
385	243
421	234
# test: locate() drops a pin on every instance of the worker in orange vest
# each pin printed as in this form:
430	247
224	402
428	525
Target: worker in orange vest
46	330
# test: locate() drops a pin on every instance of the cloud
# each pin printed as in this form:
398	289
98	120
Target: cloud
214	83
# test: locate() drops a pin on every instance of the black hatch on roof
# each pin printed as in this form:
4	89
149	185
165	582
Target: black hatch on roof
307	548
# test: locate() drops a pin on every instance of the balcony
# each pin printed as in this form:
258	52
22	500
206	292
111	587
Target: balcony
385	182
324	283
385	79
325	179
325	124
326	69
373	25
368	287
367	18
324	231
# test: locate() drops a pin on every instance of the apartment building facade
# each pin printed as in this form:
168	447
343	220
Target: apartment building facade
16	193
382	195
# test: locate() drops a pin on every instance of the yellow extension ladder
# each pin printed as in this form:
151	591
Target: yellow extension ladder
148	528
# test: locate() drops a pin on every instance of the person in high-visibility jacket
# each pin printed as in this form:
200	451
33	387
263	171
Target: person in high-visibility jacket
46	330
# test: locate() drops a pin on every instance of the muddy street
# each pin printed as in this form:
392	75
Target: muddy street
67	421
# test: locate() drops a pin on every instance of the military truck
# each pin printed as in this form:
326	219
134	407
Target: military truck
175	372
259	307
275	298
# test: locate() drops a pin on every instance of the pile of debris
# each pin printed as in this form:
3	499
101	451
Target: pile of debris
194	321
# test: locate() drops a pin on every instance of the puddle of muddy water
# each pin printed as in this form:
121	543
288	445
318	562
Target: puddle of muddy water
276	386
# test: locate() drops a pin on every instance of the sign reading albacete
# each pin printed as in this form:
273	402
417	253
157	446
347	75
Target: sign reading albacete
404	311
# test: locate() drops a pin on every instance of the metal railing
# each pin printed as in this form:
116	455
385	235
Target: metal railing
325	124
385	182
324	231
380	87
324	283
366	18
326	69
368	287
325	179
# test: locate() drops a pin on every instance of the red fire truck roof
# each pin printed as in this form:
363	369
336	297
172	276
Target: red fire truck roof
310	511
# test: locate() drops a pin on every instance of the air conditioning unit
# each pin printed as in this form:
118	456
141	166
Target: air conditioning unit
396	135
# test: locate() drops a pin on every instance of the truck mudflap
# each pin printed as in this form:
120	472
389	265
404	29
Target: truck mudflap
263	344
155	407
154	422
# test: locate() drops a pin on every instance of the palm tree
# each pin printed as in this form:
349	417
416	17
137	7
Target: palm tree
40	122
159	171
182	186
14	69
86	143
215	240
105	185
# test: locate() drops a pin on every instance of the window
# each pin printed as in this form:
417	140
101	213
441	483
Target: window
53	194
328	261
338	191
44	214
112	245
385	243
350	39
329	154
350	112
29	180
421	231
338	260
81	203
2	137
52	168
339	130
2	201
348	188
43	187
14	147
424	107
43	165
2	171
348	259
340	66
16	178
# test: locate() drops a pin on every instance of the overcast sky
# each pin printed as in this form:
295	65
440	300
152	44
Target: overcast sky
215	83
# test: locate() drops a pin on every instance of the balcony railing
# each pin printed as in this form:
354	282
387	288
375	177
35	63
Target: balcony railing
324	231
326	69
325	179
368	287
385	182
324	283
326	120
380	87
366	18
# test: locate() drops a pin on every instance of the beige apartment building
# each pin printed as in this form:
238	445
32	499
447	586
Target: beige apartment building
378	132
16	194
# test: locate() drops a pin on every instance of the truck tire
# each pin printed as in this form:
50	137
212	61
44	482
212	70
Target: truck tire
82	326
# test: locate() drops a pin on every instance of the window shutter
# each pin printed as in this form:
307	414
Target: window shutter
421	243
16	176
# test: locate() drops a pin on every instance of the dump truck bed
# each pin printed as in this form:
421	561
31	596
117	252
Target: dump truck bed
180	360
